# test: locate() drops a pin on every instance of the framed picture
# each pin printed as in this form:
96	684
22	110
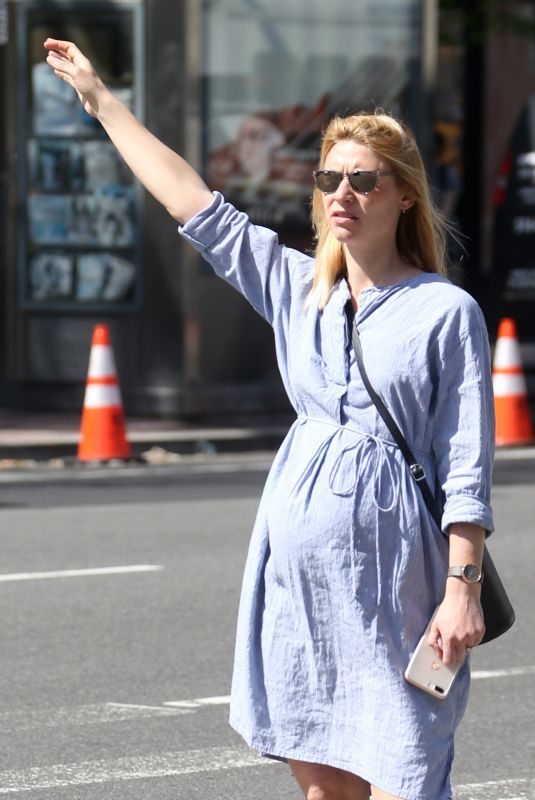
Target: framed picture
49	218
104	277
51	276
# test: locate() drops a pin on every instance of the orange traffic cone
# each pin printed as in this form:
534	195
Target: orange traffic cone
513	418
103	432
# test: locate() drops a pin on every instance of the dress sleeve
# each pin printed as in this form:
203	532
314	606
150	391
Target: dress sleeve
463	425
249	257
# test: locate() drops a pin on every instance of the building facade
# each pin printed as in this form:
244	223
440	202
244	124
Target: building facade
243	90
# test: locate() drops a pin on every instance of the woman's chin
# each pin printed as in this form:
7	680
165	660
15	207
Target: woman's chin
342	234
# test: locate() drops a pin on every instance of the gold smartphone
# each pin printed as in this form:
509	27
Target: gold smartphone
426	671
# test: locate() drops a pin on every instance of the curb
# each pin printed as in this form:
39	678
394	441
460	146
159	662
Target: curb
26	446
39	445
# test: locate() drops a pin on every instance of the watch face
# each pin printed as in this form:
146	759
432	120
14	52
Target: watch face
471	573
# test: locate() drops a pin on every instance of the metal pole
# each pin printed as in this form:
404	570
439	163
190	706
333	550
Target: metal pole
190	262
4	116
473	155
429	54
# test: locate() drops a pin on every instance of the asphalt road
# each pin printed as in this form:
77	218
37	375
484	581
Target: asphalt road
118	597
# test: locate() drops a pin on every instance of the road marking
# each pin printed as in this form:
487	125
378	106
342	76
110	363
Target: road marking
164	765
223	700
212	759
94	714
135	706
514	789
78	573
502	673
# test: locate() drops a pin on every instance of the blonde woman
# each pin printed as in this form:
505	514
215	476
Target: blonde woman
345	565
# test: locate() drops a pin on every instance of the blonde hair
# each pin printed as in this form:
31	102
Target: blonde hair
421	232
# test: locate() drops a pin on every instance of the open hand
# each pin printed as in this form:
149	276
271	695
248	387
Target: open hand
70	64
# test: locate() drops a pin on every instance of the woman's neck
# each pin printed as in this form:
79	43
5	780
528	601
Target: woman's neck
365	270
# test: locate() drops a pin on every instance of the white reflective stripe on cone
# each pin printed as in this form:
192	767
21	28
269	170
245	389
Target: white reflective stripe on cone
507	353
102	396
505	385
101	361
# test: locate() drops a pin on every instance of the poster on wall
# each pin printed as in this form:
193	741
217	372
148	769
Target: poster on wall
80	246
4	23
104	218
274	80
51	276
89	277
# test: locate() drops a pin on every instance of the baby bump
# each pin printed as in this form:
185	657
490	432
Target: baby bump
308	574
325	501
306	518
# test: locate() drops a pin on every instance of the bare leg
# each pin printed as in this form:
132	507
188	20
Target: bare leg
319	782
377	794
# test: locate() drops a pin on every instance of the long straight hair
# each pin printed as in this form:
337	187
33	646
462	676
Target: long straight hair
421	231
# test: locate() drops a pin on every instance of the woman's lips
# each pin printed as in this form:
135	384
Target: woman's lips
340	216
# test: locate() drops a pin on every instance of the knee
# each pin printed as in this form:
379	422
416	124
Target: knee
322	793
320	782
325	785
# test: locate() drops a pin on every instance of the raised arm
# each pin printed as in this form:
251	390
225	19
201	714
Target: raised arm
167	176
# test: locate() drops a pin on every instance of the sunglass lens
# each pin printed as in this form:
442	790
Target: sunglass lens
363	181
328	181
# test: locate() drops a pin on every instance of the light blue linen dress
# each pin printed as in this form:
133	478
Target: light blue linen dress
345	565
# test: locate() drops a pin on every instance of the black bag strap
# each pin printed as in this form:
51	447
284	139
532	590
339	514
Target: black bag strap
498	612
417	471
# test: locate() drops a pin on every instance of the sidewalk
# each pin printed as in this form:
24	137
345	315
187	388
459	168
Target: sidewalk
40	436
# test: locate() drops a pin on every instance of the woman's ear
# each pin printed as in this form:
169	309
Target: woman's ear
406	203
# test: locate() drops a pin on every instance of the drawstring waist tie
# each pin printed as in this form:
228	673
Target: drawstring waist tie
364	457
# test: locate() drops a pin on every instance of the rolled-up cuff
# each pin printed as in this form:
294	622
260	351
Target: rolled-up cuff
203	229
467	508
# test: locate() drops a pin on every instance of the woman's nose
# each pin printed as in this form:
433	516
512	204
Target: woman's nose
344	189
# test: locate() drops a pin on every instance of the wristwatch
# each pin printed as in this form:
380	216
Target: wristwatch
469	573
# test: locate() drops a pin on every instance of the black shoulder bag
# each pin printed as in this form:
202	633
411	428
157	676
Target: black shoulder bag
498	612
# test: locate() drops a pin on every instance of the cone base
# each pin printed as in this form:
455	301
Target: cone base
103	436
513	421
513	442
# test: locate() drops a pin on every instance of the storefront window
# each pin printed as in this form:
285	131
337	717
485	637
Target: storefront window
78	236
510	154
514	207
275	72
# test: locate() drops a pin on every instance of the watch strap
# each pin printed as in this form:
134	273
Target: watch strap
462	572
455	572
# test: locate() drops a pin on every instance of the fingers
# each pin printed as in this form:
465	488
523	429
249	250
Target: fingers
65	53
449	649
61	66
455	651
67	48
